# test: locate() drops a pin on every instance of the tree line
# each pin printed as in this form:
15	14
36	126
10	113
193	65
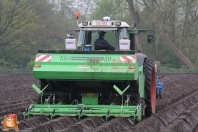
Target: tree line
26	26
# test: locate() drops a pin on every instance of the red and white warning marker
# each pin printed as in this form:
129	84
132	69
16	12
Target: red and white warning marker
43	58
129	59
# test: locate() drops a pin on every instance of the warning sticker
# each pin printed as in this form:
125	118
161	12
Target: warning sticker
43	58
129	59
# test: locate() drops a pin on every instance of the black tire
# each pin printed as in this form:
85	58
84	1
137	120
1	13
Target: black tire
150	87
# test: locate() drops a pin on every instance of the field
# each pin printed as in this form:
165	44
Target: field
177	111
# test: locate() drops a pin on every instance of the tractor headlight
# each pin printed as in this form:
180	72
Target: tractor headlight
84	23
117	23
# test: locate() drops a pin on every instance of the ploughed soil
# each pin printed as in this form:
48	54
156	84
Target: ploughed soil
177	111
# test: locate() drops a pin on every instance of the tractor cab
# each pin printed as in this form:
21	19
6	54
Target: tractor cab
118	34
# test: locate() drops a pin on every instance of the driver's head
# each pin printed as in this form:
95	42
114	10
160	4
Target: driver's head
102	34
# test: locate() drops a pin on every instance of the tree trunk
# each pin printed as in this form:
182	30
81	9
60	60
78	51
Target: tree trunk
134	20
185	23
177	52
172	20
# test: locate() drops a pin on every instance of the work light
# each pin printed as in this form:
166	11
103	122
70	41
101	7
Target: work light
117	23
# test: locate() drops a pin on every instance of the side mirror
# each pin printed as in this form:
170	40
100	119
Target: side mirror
150	38
69	35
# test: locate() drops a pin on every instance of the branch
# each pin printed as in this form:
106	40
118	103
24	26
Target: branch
140	3
189	9
156	2
196	11
16	10
146	5
3	53
7	22
118	4
120	10
18	28
192	35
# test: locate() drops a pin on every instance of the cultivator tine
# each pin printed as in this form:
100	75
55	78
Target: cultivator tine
54	99
53	113
128	100
136	111
108	113
80	114
47	100
26	110
130	121
30	107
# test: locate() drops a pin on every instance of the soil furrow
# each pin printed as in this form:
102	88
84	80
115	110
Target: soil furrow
176	111
186	122
115	125
14	110
15	102
16	95
49	125
32	122
19	105
85	125
163	118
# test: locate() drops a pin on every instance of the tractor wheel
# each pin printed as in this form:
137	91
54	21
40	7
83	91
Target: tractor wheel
150	87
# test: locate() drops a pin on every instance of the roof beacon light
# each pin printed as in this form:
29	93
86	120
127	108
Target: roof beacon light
77	14
106	18
117	23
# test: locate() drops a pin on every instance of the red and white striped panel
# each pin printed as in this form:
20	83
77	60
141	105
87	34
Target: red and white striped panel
129	59
43	58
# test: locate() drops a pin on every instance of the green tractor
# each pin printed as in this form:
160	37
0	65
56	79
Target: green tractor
85	80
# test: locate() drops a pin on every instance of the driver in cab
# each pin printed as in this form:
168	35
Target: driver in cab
101	41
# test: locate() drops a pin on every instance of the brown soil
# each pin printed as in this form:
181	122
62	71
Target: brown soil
176	111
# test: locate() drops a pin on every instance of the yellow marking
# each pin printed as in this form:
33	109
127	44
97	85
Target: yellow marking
90	94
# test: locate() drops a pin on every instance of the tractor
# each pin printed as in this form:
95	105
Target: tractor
85	80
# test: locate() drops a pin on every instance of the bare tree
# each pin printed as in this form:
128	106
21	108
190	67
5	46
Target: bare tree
135	20
167	10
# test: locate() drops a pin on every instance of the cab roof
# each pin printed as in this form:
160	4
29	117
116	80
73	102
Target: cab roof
103	24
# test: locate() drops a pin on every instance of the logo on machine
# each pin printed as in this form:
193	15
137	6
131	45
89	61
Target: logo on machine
69	42
43	58
124	43
83	66
129	59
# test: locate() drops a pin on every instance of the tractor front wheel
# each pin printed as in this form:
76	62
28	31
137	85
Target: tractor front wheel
150	87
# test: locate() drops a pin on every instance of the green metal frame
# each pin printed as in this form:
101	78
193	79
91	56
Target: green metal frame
90	109
81	110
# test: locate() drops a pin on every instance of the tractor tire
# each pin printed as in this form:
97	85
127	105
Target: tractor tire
150	87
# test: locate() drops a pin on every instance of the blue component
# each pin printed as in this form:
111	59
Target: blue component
87	48
159	87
